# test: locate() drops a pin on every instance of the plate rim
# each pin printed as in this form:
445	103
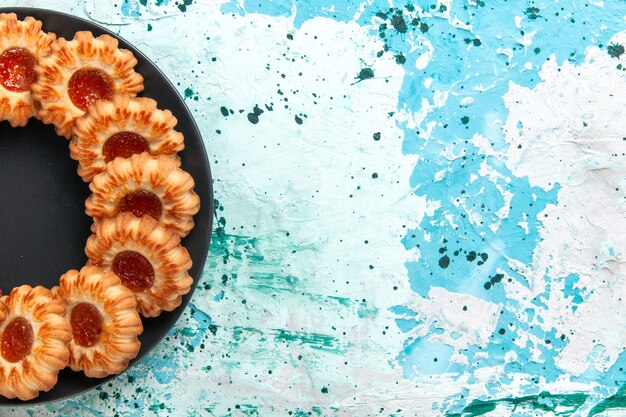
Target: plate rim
205	166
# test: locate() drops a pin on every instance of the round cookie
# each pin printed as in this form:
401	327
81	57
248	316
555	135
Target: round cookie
147	257
121	127
22	45
79	72
104	320
33	342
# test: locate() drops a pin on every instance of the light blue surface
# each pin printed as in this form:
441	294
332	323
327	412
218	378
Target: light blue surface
461	256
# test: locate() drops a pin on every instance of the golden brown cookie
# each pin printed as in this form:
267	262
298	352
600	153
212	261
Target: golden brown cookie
79	72
147	257
33	342
104	320
143	184
122	127
22	45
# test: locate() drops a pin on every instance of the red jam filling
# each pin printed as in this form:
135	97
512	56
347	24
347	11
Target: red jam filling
17	69
88	85
124	144
134	270
86	323
141	202
17	340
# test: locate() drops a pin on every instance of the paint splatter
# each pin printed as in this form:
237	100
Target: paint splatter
615	50
364	74
253	117
182	6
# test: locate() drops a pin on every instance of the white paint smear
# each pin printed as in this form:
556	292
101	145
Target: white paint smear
570	131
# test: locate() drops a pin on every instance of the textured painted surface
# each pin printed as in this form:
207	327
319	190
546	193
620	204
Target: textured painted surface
420	208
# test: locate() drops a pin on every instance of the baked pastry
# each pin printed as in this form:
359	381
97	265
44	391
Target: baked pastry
33	342
22	45
147	258
104	320
4	311
79	72
142	204
143	184
122	126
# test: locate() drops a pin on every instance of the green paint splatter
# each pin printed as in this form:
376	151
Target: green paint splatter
346	302
401	20
188	332
398	22
614	402
248	409
557	404
364	74
615	50
400	59
317	341
149	27
188	92
493	281
366	311
532	13
234	246
183	5
268	280
254	116
156	407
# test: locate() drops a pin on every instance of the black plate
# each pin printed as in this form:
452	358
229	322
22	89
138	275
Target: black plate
42	221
